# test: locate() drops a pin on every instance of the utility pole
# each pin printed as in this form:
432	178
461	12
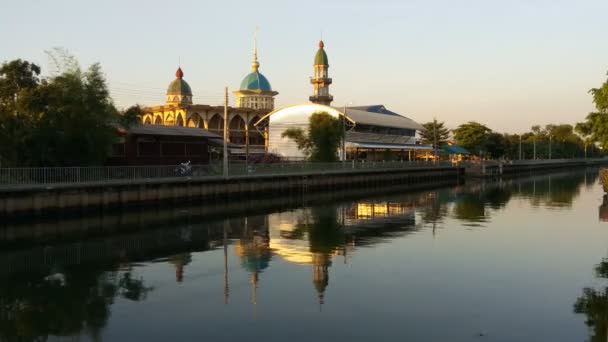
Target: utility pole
344	133
534	147
550	141
247	144
520	147
225	131
435	138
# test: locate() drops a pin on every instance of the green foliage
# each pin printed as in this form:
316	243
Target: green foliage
604	178
321	142
472	136
301	139
131	116
434	133
60	121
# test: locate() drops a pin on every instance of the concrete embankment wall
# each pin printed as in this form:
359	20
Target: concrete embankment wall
495	169
26	200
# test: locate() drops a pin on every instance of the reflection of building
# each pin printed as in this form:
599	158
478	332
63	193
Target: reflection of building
603	209
180	261
320	273
254	250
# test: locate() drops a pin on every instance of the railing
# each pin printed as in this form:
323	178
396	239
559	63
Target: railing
12	177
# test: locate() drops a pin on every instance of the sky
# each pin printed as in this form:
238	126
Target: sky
507	64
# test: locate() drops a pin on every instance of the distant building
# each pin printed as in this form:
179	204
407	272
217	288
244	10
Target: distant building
162	145
373	132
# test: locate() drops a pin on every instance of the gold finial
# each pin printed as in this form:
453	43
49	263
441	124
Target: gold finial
255	65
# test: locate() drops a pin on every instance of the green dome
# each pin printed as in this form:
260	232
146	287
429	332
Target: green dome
255	81
179	87
321	56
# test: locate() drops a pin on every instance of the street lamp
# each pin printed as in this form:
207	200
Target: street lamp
344	131
520	147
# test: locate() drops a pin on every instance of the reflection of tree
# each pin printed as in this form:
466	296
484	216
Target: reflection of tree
34	306
556	191
594	304
470	208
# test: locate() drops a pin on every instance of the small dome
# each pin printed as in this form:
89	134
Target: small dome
321	56
178	86
255	81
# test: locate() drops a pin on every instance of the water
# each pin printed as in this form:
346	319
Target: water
518	260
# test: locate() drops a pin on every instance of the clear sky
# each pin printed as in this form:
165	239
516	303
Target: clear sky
507	64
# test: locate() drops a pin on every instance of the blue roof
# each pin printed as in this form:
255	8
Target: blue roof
454	149
255	81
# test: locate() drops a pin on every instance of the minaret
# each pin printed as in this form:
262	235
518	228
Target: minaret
320	81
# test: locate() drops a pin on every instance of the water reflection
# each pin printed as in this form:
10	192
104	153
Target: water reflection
594	304
60	278
69	301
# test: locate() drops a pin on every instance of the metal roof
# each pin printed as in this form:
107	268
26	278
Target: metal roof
391	146
363	137
378	115
172	130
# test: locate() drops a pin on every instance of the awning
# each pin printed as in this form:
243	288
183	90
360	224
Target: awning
454	149
390	146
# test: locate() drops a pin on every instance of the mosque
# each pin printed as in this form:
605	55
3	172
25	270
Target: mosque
372	132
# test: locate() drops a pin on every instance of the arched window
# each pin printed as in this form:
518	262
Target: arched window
255	136
180	120
194	120
148	120
216	125
158	120
236	130
169	120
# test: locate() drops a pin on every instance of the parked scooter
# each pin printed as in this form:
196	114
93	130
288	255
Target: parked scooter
184	169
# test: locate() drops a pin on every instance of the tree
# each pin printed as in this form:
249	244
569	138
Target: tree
59	121
472	136
584	130
435	133
131	115
598	121
321	142
496	145
19	82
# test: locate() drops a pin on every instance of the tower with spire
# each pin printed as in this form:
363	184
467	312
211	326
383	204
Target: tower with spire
321	81
255	91
179	92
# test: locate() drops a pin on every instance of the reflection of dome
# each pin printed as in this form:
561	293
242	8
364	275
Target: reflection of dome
178	86
255	81
255	263
321	56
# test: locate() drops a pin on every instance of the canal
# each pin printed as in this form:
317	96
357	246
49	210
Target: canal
512	260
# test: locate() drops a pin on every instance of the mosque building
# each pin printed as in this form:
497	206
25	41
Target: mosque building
372	132
254	99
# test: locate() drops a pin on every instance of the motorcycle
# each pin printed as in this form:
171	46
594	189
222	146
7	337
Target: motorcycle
184	169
